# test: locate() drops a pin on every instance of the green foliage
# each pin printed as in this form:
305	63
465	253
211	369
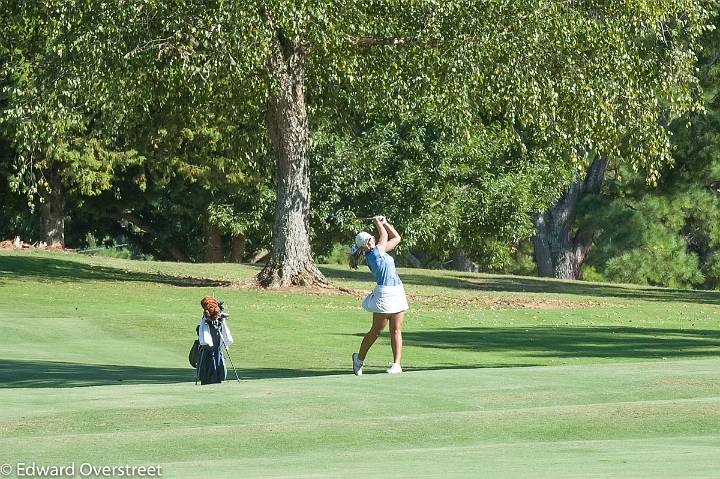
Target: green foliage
711	271
520	260
444	190
337	255
458	119
645	237
657	263
669	235
120	135
589	273
597	76
46	115
15	216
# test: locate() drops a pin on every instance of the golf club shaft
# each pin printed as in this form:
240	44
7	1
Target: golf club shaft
230	358
369	218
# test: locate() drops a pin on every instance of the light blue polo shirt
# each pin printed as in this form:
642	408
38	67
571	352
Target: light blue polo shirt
382	266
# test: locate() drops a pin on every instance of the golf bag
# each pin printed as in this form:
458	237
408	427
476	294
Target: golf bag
208	352
211	361
194	353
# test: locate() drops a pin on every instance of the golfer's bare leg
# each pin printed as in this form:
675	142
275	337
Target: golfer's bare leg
396	321
379	323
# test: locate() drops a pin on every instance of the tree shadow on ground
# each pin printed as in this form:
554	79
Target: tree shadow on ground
551	342
580	288
284	373
54	269
515	284
57	374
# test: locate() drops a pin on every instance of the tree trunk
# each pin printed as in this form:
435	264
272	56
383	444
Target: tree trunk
52	211
237	249
559	253
412	260
460	262
291	261
214	246
259	256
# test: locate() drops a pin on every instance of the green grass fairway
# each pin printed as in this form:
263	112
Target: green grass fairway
505	376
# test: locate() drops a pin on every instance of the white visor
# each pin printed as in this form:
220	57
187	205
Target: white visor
362	239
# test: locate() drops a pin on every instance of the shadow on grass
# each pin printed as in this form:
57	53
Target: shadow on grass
281	373
56	374
513	284
54	269
550	342
530	343
21	267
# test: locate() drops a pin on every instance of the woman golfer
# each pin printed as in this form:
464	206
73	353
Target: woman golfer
387	302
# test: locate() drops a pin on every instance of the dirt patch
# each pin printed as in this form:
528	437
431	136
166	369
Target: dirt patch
252	285
434	302
17	243
494	302
543	303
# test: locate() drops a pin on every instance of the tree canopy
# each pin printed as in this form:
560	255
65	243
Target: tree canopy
667	235
489	103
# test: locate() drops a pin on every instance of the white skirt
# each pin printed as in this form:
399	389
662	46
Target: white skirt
386	299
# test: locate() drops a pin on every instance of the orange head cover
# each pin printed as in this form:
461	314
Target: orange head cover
211	308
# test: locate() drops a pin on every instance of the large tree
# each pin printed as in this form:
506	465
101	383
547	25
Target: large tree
561	248
47	119
665	235
567	75
670	51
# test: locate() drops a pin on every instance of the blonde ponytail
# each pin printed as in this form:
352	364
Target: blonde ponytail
354	258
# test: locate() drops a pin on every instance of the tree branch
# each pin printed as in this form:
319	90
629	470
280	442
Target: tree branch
369	41
396	41
149	45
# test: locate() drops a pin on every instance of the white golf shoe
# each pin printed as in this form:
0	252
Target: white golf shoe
357	365
394	368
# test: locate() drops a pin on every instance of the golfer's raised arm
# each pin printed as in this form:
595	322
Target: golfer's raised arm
393	237
382	234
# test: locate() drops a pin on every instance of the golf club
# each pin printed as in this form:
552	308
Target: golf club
231	361
224	316
368	218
